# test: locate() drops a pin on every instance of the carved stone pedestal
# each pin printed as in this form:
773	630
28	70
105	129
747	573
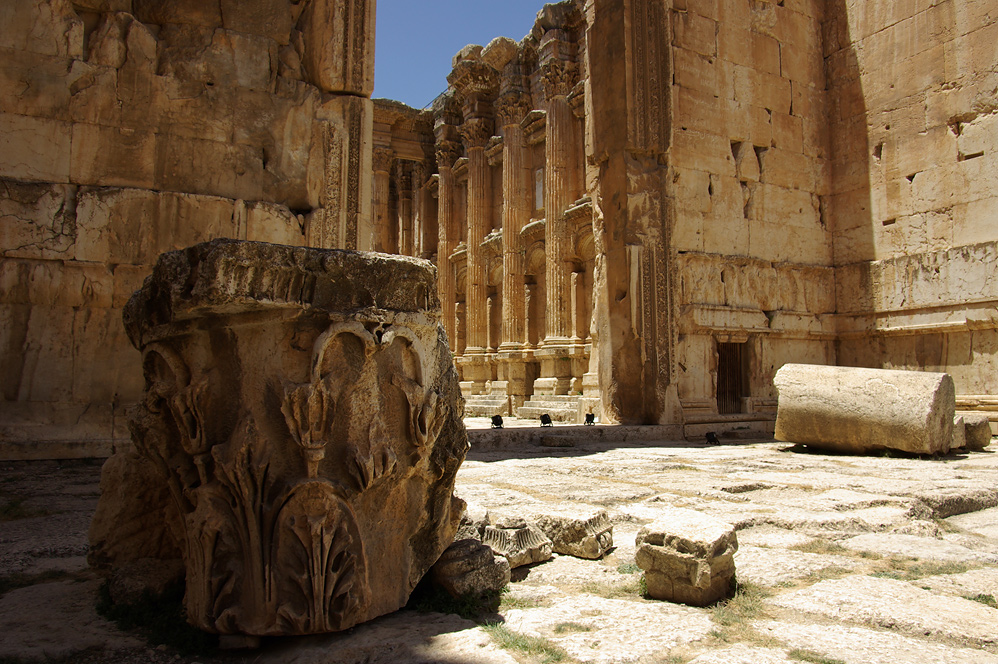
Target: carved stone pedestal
302	409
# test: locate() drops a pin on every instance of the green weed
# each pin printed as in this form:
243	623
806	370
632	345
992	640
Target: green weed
802	655
533	646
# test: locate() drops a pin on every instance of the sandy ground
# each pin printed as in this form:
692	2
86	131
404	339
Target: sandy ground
841	559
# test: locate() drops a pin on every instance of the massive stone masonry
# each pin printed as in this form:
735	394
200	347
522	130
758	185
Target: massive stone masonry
298	438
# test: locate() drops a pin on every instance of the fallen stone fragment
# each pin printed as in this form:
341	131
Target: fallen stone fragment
977	431
469	567
473	522
520	546
858	410
573	531
688	557
302	418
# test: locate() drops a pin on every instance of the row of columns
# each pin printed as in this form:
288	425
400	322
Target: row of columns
405	234
500	89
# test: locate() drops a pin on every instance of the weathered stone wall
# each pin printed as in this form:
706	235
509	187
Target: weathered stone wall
749	170
133	127
913	203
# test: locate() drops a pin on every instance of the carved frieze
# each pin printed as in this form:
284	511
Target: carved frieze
302	408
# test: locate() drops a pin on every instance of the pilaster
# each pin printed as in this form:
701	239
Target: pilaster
382	166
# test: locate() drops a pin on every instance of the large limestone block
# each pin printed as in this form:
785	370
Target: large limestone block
36	220
858	410
303	408
338	40
688	557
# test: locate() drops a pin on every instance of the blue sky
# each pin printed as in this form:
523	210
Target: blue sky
416	39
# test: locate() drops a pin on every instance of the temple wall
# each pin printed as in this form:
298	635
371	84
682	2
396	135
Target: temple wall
750	168
913	206
133	127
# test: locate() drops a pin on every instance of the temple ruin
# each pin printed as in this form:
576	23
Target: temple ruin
642	209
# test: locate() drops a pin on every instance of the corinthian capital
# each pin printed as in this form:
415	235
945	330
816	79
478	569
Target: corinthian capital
512	107
383	160
476	132
447	153
558	77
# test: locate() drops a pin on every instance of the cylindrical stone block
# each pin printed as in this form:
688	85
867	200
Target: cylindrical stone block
858	410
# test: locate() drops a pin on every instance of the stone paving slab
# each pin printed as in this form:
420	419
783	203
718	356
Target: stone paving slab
896	605
967	584
774	567
861	645
984	523
743	654
405	637
925	548
605	630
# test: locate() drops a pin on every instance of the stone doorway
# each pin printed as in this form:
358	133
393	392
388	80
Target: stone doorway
732	377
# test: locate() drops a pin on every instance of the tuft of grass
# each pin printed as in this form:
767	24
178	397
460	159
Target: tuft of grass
745	605
15	581
533	646
14	508
161	619
635	586
561	628
987	600
628	568
823	547
508	602
909	569
802	655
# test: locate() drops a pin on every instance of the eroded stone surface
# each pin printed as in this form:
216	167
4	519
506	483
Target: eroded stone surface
469	567
303	411
581	531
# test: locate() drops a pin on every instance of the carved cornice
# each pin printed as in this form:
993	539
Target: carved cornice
382	160
447	153
534	126
512	107
577	100
472	78
558	77
476	132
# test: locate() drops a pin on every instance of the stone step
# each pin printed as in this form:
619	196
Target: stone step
557	414
485	405
556	398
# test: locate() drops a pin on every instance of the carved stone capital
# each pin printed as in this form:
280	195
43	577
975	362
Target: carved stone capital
558	77
476	132
512	107
403	177
473	78
382	160
447	153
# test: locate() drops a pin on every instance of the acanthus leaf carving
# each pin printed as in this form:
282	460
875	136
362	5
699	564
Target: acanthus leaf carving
558	77
512	107
476	132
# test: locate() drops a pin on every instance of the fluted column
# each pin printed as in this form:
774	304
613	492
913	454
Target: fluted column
447	153
516	189
475	133
403	185
382	166
559	77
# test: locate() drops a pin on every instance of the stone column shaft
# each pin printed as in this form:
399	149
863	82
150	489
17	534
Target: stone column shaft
382	180
516	212
479	184
558	196
446	241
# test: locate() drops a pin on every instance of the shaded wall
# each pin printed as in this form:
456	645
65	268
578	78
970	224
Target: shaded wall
129	128
914	207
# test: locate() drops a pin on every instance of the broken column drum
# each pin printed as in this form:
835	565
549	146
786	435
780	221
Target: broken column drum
303	408
851	409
